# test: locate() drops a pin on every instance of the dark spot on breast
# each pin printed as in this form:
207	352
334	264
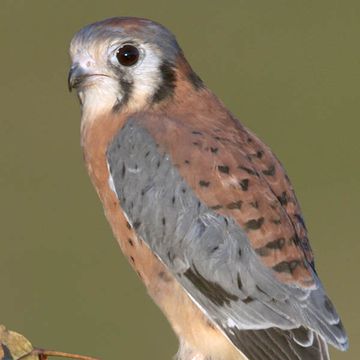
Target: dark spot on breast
214	150
234	205
204	183
123	171
224	169
248	170
254	224
244	184
164	276
210	324
210	289
130	242
270	171
137	223
196	132
147	154
167	84
187	162
240	253
283	198
196	143
173	200
195	80
163	220
226	221
183	190
214	249
216	207
158	164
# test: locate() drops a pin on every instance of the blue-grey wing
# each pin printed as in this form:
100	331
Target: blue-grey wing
210	255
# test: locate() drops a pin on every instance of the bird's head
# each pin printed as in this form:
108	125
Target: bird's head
126	63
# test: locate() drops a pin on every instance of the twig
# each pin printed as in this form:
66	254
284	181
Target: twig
44	354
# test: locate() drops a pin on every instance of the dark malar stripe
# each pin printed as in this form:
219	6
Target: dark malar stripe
126	89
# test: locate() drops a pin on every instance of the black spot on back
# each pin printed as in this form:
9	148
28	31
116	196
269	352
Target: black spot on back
216	207
234	205
270	171
287	266
248	170
244	184
254	224
224	169
259	154
204	183
283	198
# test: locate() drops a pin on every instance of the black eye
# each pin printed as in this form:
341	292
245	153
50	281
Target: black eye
127	55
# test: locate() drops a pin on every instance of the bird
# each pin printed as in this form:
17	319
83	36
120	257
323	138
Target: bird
200	206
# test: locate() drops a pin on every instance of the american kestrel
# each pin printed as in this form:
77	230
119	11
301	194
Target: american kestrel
201	207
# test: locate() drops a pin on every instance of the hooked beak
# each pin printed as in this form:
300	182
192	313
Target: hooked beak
76	76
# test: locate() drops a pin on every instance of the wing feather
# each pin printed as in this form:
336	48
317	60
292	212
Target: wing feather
211	253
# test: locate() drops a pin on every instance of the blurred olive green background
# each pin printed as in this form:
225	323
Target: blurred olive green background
288	69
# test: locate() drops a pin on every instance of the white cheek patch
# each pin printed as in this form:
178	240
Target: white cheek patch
99	96
146	77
